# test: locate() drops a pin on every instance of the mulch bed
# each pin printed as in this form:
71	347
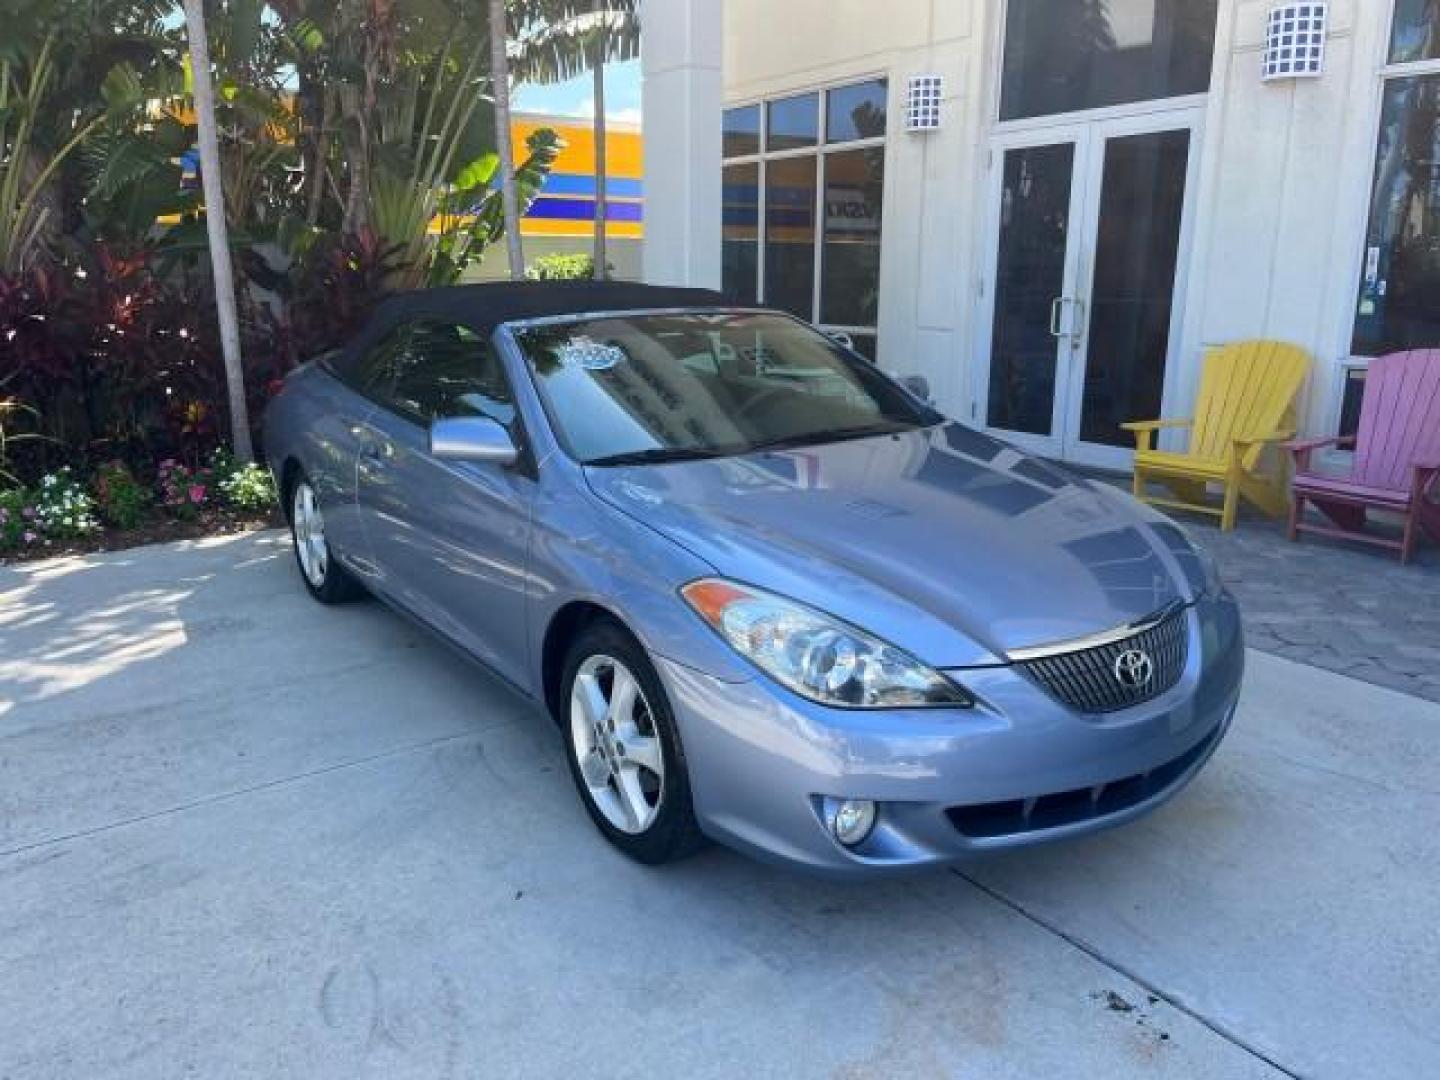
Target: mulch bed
158	531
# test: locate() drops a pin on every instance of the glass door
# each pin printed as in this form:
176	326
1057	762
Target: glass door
1029	327
1089	225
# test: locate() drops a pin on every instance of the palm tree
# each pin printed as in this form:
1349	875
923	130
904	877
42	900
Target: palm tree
216	228
500	80
571	36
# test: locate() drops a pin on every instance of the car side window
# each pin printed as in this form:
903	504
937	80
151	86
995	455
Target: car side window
374	376
432	370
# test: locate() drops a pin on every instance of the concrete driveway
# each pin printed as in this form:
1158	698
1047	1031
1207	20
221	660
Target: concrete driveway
245	835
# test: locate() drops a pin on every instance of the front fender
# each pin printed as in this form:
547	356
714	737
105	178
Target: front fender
583	550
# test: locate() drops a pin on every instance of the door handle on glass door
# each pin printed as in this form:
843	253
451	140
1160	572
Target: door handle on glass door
1077	322
1070	329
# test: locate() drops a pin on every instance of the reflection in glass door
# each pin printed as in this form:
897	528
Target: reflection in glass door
1132	287
1086	236
1030	282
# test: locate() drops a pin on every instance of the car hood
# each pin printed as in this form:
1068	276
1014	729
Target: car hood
944	541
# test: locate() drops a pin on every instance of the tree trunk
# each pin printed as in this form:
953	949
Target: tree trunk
216	230
318	158
500	81
602	211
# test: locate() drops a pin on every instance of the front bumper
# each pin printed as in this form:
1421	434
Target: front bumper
951	783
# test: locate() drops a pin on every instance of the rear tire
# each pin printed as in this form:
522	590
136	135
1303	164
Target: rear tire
624	749
324	577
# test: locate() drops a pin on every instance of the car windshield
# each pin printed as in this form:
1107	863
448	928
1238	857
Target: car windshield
631	389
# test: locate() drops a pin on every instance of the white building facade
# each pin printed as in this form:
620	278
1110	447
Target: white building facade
1106	189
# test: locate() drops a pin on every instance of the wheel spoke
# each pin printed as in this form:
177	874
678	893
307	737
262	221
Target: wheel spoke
632	798
594	769
643	750
590	698
623	690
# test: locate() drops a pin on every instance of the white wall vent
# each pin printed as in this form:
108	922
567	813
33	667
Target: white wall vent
1295	41
922	102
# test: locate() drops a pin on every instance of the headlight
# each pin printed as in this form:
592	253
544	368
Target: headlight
817	655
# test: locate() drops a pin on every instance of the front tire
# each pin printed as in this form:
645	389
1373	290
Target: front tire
624	749
325	579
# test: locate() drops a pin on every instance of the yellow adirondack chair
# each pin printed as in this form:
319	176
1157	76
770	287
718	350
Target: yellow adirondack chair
1246	402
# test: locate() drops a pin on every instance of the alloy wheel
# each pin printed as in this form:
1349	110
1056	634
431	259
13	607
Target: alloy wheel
617	744
309	528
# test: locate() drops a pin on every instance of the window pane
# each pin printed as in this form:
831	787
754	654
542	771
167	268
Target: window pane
850	272
792	122
741	131
1137	247
740	195
855	112
1065	55
1350	401
1400	272
445	370
1029	276
1416	33
790	234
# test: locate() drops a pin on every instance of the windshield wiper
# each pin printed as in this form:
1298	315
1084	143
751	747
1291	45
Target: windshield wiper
816	438
655	455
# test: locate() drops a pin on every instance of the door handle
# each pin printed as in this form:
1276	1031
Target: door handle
1057	315
1077	322
374	448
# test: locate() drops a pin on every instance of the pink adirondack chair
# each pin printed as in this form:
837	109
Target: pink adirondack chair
1397	457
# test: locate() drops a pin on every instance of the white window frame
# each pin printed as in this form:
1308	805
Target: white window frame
821	151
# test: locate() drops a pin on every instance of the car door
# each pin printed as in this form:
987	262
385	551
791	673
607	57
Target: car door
449	540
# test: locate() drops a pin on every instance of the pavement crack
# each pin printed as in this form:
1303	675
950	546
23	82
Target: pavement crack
1125	971
225	796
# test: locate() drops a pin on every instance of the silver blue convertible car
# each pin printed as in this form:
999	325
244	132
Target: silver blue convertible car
770	596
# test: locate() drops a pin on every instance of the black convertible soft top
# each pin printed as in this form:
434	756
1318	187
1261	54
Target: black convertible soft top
485	306
482	307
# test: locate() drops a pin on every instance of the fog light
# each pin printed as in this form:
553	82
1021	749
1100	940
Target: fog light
853	820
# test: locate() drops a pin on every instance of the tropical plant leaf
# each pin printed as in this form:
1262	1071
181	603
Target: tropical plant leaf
121	88
477	173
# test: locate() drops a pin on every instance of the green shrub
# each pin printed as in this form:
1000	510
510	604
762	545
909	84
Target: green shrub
18	527
561	268
123	500
247	488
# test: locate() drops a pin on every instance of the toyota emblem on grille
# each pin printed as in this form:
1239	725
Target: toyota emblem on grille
1134	669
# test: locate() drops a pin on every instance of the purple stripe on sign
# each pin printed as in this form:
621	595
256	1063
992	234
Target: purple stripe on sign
554	209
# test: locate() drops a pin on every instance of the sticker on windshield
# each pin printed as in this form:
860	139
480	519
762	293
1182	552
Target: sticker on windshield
589	355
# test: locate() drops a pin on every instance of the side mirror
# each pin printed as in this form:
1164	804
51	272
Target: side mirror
841	338
918	385
472	438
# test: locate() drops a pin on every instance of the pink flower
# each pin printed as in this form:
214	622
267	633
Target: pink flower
29	538
197	493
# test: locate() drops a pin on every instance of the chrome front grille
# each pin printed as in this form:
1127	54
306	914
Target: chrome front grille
1089	680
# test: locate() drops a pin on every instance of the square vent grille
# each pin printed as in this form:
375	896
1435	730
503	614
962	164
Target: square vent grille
922	102
1295	41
